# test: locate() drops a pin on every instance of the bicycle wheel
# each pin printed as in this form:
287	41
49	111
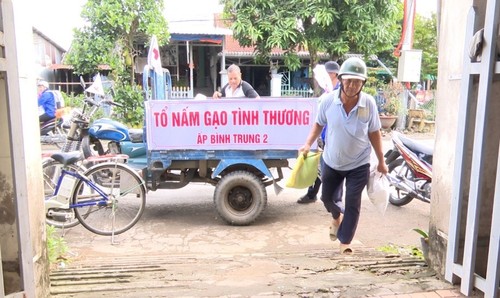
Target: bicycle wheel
59	218
124	203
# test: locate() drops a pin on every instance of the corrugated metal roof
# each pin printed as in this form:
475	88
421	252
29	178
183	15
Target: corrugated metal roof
233	49
54	43
274	53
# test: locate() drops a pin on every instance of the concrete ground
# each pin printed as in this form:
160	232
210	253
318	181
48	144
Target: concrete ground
182	248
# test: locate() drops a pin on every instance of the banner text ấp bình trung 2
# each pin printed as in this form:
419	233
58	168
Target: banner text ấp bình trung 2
233	124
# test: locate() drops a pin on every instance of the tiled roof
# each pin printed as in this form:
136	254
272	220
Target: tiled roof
66	66
217	26
234	49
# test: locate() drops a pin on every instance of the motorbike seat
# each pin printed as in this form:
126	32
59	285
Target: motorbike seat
135	135
54	121
67	158
49	125
416	146
48	122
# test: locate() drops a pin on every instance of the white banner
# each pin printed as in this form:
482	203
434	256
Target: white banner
154	60
96	87
240	124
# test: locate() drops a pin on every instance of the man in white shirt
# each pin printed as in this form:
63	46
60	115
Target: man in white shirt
236	87
332	68
353	130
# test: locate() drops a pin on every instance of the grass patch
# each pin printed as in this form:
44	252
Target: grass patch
401	250
56	246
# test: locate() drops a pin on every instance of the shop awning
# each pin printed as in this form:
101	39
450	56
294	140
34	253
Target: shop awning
212	38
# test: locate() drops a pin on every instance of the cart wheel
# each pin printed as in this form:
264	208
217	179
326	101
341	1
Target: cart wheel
240	197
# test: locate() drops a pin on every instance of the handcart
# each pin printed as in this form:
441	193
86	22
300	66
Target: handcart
238	145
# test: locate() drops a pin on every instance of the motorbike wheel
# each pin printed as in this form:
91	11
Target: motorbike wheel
51	171
398	197
61	137
92	147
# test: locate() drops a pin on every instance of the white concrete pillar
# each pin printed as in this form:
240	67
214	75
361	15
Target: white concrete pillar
21	139
223	78
276	85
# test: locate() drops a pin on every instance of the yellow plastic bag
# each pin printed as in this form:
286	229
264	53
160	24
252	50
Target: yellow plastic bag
304	171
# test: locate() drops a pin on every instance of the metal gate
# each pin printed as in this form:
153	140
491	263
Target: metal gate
464	251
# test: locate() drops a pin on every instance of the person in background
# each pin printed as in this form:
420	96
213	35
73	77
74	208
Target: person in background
380	100
332	68
46	102
236	87
353	129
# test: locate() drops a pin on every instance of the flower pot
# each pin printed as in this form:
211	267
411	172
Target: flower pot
387	121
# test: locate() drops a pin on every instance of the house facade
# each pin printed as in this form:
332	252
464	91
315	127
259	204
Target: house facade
200	51
47	53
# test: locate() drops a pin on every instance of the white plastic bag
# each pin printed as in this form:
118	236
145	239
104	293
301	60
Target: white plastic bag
378	190
323	78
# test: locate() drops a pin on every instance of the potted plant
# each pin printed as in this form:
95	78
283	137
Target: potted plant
424	241
392	106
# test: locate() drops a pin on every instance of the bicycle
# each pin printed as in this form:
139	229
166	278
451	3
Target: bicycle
76	131
107	199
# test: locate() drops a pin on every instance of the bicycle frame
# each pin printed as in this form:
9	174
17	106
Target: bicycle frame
61	200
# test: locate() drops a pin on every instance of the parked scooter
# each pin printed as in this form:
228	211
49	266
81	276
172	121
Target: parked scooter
410	170
52	132
107	136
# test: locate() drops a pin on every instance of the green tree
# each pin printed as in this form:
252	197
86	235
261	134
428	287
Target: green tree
112	31
336	27
425	38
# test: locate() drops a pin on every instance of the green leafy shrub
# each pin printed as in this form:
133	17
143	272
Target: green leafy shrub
392	93
131	97
74	101
56	245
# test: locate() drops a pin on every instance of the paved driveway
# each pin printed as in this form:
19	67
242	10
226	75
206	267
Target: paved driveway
181	247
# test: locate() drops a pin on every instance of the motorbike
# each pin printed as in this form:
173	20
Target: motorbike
107	136
410	170
53	132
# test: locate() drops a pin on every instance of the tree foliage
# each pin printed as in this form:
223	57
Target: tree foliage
425	39
109	35
336	27
113	29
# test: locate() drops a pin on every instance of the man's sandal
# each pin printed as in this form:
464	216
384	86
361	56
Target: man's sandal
345	249
334	229
333	232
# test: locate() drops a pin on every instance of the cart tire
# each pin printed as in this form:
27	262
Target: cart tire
240	197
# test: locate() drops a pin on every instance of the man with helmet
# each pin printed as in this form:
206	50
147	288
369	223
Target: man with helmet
353	128
332	69
46	102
